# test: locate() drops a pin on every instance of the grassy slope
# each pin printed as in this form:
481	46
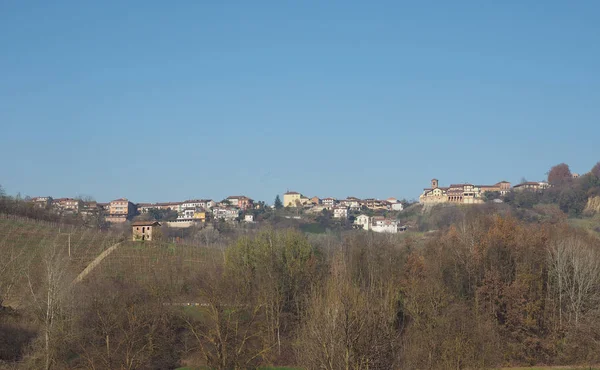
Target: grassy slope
162	262
24	243
592	224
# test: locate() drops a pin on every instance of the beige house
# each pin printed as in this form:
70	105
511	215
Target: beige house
120	210
292	199
142	230
67	204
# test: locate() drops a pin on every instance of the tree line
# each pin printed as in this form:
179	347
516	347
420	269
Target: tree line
568	193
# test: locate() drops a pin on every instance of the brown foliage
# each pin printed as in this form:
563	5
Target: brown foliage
559	174
125	326
488	290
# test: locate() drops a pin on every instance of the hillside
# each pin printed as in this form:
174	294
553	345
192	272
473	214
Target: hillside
161	263
29	246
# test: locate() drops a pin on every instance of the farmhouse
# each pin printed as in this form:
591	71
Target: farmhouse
142	230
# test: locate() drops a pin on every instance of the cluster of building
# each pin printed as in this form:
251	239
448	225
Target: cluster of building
232	208
339	207
473	194
188	212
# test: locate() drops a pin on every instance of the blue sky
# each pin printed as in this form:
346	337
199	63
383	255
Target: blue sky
159	101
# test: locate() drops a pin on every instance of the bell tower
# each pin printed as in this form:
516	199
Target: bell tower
434	183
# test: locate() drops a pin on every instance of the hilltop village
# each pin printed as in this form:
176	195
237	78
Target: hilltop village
367	214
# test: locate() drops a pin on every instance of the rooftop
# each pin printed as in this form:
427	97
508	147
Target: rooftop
237	197
145	223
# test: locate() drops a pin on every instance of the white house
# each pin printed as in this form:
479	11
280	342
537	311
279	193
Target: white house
363	221
207	203
340	212
198	203
351	202
186	214
191	203
328	202
383	225
397	206
249	218
228	214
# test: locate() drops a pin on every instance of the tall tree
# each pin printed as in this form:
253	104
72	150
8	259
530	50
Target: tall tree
559	174
278	203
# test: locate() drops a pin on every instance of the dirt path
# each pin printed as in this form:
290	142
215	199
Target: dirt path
95	263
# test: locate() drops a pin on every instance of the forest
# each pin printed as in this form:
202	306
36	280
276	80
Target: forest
488	291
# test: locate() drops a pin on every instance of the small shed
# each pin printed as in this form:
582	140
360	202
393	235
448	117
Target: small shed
142	230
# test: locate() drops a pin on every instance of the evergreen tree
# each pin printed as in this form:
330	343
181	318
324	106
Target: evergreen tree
278	203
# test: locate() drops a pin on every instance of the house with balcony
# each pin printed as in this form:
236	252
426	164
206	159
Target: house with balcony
352	203
120	210
67	205
198	203
363	222
328	203
228	214
42	202
340	212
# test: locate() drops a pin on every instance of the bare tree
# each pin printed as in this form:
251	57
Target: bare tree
227	328
575	275
346	327
49	289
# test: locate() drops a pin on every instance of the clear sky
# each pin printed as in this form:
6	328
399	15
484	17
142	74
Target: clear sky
162	101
